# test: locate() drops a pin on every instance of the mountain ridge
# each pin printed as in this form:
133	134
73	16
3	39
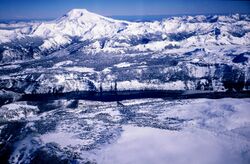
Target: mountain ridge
103	34
84	51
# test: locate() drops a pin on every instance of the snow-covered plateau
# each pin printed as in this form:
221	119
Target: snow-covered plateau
50	69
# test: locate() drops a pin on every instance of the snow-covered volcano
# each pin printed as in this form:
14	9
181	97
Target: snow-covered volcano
76	23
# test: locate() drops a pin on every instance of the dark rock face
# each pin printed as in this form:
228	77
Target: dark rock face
20	49
8	97
240	58
10	134
44	156
233	79
180	36
217	32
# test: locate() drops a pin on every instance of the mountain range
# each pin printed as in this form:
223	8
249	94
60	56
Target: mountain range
85	51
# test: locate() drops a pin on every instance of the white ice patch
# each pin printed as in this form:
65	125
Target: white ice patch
63	63
56	41
106	70
122	65
136	85
80	69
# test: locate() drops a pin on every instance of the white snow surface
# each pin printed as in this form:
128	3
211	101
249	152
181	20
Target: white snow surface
111	35
79	69
213	132
123	65
148	145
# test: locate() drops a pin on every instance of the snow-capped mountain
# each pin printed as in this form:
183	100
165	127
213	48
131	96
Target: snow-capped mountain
85	51
106	34
111	34
77	23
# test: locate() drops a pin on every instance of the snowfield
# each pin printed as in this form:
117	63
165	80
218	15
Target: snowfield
139	131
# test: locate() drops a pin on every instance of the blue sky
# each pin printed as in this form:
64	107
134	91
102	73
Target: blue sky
25	9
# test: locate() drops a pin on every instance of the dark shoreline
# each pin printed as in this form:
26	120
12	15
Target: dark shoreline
109	96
